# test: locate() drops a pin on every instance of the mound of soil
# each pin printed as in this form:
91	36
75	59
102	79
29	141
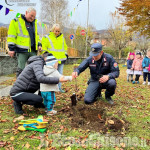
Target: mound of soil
94	118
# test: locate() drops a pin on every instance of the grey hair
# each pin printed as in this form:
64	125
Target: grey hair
31	9
54	26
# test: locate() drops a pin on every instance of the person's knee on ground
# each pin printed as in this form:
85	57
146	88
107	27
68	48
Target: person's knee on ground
89	100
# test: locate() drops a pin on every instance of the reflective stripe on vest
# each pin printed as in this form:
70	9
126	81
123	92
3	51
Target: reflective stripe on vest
24	36
11	43
53	49
21	32
12	36
62	59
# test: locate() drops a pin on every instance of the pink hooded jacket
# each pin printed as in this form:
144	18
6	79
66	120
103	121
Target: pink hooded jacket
137	64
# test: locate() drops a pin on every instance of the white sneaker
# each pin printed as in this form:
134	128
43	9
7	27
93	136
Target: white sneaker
53	112
148	83
144	83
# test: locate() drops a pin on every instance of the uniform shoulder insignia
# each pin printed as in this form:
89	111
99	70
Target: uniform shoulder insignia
115	65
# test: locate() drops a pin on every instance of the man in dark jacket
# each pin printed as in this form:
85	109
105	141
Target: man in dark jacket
28	83
103	69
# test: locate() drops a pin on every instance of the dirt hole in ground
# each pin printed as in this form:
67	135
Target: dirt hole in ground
93	118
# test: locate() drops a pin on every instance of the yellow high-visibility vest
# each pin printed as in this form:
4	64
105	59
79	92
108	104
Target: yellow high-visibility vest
18	34
55	45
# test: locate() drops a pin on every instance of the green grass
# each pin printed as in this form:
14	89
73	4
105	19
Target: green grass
132	103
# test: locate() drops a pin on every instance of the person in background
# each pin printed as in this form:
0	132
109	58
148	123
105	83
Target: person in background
23	38
146	67
129	66
55	44
48	90
137	67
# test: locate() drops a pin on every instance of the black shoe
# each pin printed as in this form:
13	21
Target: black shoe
18	107
110	101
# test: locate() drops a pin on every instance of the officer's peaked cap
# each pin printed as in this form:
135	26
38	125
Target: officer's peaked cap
96	48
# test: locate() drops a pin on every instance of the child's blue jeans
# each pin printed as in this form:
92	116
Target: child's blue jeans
49	99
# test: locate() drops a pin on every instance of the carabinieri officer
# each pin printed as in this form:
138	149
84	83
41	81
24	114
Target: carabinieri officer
103	70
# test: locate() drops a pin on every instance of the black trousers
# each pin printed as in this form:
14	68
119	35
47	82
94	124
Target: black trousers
137	77
145	74
28	98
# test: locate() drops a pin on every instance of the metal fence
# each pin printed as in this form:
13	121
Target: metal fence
3	45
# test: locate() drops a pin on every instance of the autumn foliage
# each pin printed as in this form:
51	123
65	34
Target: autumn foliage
137	14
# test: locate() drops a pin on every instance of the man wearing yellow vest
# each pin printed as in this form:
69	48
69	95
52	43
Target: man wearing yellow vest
23	38
55	43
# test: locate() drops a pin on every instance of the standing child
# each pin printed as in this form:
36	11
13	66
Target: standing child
129	66
48	90
137	67
146	67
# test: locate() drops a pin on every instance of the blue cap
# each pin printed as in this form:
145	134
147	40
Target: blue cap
96	48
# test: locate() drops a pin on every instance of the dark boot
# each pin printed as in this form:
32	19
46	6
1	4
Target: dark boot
110	100
18	107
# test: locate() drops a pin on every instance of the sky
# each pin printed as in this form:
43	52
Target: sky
99	11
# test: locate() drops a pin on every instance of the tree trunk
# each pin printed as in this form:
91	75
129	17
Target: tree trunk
119	53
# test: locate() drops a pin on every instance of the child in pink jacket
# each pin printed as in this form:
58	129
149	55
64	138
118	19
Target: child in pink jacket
137	67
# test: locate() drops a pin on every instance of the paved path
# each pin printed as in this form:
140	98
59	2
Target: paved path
4	90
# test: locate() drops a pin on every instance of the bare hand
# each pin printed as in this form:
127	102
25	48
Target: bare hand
74	75
147	68
104	79
11	53
131	68
61	79
39	48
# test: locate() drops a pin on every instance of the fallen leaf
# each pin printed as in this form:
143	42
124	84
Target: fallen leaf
19	118
5	120
111	122
99	116
2	143
27	145
12	138
7	131
122	145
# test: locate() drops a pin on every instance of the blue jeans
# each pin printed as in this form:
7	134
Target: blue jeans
49	99
60	70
